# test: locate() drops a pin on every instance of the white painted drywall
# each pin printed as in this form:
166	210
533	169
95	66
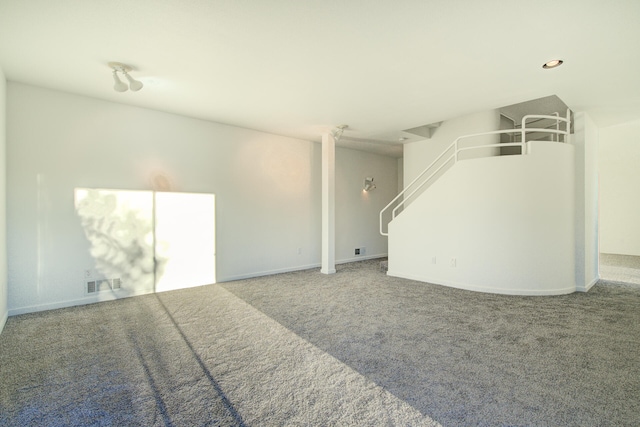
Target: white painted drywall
3	202
619	170
400	174
357	211
267	189
585	141
497	224
418	155
328	257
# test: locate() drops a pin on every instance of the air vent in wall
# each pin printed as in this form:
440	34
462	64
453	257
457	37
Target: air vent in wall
94	286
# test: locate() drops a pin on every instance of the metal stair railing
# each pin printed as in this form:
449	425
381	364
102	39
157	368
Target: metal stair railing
406	195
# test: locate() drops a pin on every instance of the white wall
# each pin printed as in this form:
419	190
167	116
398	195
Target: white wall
357	211
418	155
619	170
3	203
267	189
400	174
585	141
507	221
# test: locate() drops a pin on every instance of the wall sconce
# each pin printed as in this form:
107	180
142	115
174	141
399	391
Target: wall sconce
119	85
368	184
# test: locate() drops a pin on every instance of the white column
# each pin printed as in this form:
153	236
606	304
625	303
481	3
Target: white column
328	204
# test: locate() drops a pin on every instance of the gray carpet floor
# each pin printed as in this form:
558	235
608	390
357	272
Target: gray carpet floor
620	268
302	348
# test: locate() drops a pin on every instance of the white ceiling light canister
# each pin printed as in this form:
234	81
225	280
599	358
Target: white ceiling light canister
119	85
552	64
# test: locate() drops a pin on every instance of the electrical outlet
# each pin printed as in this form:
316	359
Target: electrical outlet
453	262
357	251
299	251
433	260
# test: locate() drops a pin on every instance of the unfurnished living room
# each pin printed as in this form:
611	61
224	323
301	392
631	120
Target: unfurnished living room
319	213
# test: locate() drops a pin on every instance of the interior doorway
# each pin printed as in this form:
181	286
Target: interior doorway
620	268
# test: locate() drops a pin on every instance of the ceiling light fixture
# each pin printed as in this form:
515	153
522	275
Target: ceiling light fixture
338	131
119	85
553	64
134	84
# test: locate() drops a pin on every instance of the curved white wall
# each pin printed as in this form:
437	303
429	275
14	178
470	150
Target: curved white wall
497	224
419	154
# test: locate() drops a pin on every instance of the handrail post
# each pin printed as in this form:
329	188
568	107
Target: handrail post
566	138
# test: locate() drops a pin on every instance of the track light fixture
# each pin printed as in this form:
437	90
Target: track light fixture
119	85
338	131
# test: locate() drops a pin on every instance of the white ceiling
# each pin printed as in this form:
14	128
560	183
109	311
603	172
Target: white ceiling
299	68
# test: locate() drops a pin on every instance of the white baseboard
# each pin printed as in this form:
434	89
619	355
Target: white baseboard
486	289
360	258
267	273
292	269
113	296
102	297
588	286
3	321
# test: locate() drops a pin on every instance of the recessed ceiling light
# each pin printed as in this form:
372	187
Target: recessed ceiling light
402	138
553	64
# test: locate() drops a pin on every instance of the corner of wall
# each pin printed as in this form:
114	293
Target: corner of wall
585	141
588	286
3	223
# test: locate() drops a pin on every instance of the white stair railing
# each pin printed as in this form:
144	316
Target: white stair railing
406	196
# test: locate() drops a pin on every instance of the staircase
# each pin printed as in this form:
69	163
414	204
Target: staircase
486	224
453	153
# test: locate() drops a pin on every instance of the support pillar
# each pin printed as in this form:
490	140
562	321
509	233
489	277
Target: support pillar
328	204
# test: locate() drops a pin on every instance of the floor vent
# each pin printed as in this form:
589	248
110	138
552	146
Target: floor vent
94	286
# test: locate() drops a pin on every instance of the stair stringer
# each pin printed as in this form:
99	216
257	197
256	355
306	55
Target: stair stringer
496	224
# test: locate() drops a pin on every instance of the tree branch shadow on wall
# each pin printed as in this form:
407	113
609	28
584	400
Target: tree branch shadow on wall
119	226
